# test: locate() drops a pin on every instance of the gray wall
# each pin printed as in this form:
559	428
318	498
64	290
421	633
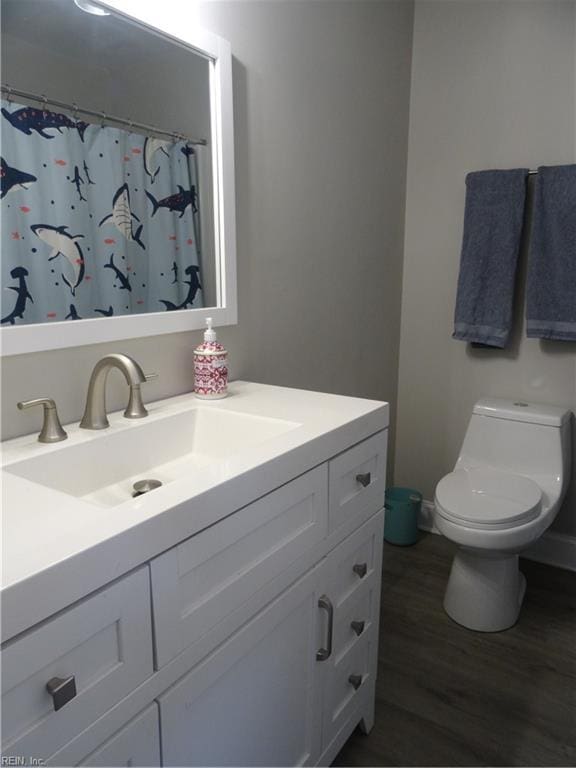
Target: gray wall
321	110
493	86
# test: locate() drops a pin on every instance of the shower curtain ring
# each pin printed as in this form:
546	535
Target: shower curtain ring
75	108
9	89
103	116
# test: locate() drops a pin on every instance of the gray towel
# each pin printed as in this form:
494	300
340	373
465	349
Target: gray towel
551	304
492	232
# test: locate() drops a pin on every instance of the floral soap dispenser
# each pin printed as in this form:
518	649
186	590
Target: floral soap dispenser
210	367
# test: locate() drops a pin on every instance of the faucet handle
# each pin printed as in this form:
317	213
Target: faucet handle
135	408
51	431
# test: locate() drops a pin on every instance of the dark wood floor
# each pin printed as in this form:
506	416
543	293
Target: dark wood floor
447	696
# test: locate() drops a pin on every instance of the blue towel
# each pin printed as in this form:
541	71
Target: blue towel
551	303
492	233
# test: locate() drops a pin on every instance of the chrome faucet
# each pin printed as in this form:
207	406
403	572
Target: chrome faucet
95	412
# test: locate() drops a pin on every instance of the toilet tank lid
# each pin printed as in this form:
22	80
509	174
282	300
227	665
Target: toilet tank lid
519	410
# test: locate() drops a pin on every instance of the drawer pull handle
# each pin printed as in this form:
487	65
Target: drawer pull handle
355	681
324	653
364	478
360	569
358	626
62	690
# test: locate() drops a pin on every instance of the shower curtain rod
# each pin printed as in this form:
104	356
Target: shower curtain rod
75	109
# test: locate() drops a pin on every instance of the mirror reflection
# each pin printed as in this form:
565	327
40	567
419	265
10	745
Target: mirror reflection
106	170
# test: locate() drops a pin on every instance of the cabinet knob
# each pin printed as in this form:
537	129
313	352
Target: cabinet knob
355	681
360	569
358	626
62	690
364	478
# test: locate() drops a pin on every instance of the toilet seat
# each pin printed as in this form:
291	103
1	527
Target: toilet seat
487	499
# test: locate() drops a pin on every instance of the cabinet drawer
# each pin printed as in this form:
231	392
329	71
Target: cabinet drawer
105	642
355	595
201	581
357	480
356	562
349	678
137	744
355	618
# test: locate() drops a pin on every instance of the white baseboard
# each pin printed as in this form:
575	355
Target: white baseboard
553	548
426	518
557	549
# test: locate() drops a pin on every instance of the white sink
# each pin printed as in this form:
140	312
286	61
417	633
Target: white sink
104	466
70	524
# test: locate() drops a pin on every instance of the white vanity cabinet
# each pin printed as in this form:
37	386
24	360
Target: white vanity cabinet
251	642
301	673
268	696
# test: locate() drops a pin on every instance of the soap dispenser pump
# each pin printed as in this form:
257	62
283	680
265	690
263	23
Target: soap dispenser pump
210	367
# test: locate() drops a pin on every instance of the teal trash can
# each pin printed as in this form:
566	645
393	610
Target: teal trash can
401	522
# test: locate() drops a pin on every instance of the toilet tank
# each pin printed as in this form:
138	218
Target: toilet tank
523	438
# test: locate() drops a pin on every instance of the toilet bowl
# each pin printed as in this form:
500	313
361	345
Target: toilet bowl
506	489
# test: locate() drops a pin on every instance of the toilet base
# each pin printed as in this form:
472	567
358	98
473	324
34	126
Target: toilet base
485	591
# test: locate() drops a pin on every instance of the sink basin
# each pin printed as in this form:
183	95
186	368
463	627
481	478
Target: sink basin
104	466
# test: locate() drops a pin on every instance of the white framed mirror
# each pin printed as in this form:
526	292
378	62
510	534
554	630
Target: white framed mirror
118	196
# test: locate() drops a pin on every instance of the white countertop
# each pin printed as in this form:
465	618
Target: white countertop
57	548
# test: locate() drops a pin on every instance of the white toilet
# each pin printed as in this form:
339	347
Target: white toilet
505	490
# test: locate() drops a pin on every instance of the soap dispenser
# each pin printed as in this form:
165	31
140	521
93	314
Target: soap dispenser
210	367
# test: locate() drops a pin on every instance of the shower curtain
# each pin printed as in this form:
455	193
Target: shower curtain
96	221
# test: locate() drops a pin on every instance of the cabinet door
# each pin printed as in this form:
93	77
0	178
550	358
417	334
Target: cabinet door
208	577
255	700
137	744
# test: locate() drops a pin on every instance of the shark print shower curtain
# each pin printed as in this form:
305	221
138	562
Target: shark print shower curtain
96	221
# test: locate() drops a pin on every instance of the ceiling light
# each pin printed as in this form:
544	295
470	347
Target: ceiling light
89	7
